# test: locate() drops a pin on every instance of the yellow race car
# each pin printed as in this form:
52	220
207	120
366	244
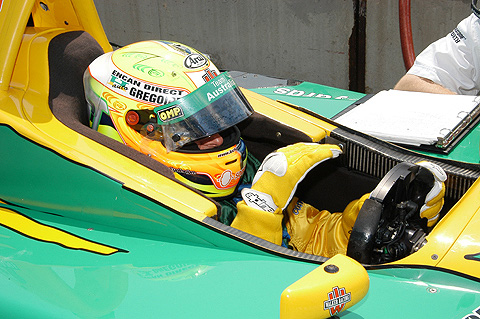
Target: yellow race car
91	228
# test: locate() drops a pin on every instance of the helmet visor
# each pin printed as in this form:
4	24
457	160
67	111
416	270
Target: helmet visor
212	108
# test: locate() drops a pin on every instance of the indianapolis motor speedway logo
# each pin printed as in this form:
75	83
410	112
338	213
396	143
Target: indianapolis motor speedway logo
337	299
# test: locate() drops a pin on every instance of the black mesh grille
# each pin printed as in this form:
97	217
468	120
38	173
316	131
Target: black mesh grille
375	158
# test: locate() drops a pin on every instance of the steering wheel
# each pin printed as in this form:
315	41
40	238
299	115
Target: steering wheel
390	216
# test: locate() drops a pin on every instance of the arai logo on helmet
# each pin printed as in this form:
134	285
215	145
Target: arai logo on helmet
194	61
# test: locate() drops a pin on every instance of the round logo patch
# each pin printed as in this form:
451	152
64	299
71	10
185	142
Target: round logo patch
194	61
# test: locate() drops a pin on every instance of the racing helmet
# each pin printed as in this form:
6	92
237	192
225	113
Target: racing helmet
160	98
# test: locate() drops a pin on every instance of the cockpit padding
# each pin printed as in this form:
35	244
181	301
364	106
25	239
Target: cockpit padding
69	55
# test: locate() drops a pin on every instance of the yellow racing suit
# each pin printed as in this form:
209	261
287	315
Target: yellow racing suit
313	231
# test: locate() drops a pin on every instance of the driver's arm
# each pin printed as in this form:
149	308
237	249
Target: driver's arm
320	232
410	82
260	213
311	230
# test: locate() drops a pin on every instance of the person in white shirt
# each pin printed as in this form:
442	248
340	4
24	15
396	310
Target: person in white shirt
450	65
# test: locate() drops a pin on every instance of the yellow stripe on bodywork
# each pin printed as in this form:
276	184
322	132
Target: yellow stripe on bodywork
33	229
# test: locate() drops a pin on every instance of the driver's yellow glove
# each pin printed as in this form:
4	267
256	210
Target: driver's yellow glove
274	184
320	232
435	198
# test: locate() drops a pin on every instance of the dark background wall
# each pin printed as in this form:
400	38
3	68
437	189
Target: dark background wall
350	44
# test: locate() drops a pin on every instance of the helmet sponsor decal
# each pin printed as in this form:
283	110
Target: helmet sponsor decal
201	77
235	149
143	57
194	61
121	81
225	178
209	75
228	178
183	171
170	113
153	72
337	299
113	102
176	47
1	5
258	200
143	91
240	147
221	86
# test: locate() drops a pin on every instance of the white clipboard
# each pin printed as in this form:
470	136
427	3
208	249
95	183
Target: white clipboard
413	118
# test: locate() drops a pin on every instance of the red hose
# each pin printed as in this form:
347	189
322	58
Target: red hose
406	33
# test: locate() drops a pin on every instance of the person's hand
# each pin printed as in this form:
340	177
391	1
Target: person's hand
260	213
435	198
280	173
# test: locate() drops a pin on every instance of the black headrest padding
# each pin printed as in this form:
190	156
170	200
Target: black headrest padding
69	55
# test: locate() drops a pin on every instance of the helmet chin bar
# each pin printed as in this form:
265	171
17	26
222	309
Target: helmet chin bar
475	9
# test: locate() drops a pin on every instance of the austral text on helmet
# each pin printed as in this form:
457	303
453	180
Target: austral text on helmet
222	86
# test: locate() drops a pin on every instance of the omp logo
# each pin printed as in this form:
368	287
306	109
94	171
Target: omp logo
337	298
298	207
194	61
170	113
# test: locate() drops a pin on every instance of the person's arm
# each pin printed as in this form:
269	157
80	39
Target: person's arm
410	82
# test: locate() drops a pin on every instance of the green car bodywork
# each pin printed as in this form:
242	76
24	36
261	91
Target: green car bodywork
87	232
184	270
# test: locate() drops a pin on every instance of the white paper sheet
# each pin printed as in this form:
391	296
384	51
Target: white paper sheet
411	118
